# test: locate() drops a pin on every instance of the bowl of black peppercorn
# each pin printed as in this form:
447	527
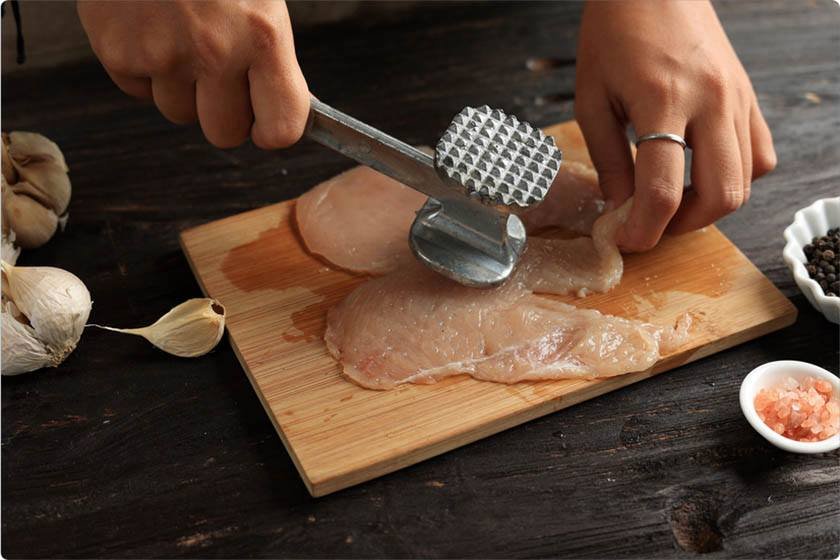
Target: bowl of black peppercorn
812	253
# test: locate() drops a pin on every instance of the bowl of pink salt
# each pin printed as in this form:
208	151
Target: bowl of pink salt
794	405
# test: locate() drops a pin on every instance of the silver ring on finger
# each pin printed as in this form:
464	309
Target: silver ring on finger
662	136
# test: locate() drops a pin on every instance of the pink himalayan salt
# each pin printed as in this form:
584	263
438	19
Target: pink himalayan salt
803	411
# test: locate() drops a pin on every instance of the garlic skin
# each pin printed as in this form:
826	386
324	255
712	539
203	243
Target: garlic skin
53	306
36	187
188	330
22	351
9	252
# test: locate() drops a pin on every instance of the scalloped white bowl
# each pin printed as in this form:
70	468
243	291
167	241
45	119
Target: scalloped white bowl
773	373
808	223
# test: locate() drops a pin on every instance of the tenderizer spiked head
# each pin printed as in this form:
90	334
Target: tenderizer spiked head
497	158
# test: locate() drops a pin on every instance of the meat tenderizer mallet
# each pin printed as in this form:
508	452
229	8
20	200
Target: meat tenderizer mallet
487	167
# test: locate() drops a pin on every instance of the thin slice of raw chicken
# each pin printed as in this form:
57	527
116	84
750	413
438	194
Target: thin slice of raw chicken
359	220
414	326
580	265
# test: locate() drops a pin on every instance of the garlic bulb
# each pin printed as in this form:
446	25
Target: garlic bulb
190	329
44	313
36	187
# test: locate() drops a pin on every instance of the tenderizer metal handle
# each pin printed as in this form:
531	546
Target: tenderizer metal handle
372	147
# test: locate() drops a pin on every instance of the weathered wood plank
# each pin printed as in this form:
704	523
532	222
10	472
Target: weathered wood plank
122	451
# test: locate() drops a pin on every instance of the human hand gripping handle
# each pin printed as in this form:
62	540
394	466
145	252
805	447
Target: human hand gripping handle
667	67
229	64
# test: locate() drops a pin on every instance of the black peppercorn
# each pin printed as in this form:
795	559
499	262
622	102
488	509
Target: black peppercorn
822	257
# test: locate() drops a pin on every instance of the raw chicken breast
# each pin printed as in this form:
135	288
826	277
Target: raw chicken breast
581	265
414	326
573	203
359	220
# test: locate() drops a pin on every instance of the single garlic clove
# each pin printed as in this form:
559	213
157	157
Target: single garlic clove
22	351
30	147
47	183
39	194
190	329
37	160
56	303
32	223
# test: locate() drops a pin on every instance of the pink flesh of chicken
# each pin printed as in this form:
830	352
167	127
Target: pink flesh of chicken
581	265
359	220
414	326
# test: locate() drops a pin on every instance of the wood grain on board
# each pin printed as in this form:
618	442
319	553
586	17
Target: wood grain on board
338	434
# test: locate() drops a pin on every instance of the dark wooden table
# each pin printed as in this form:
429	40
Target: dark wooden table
126	451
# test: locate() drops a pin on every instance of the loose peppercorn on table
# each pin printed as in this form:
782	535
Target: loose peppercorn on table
126	451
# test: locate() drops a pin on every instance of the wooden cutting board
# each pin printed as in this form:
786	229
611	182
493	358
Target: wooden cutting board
339	434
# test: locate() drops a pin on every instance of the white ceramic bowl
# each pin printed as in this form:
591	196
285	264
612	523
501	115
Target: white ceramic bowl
773	373
808	223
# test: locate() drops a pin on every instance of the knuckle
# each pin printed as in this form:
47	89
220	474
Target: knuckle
155	58
277	135
729	201
662	196
714	83
663	90
263	32
179	115
638	243
113	56
228	132
764	161
210	52
227	138
283	133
